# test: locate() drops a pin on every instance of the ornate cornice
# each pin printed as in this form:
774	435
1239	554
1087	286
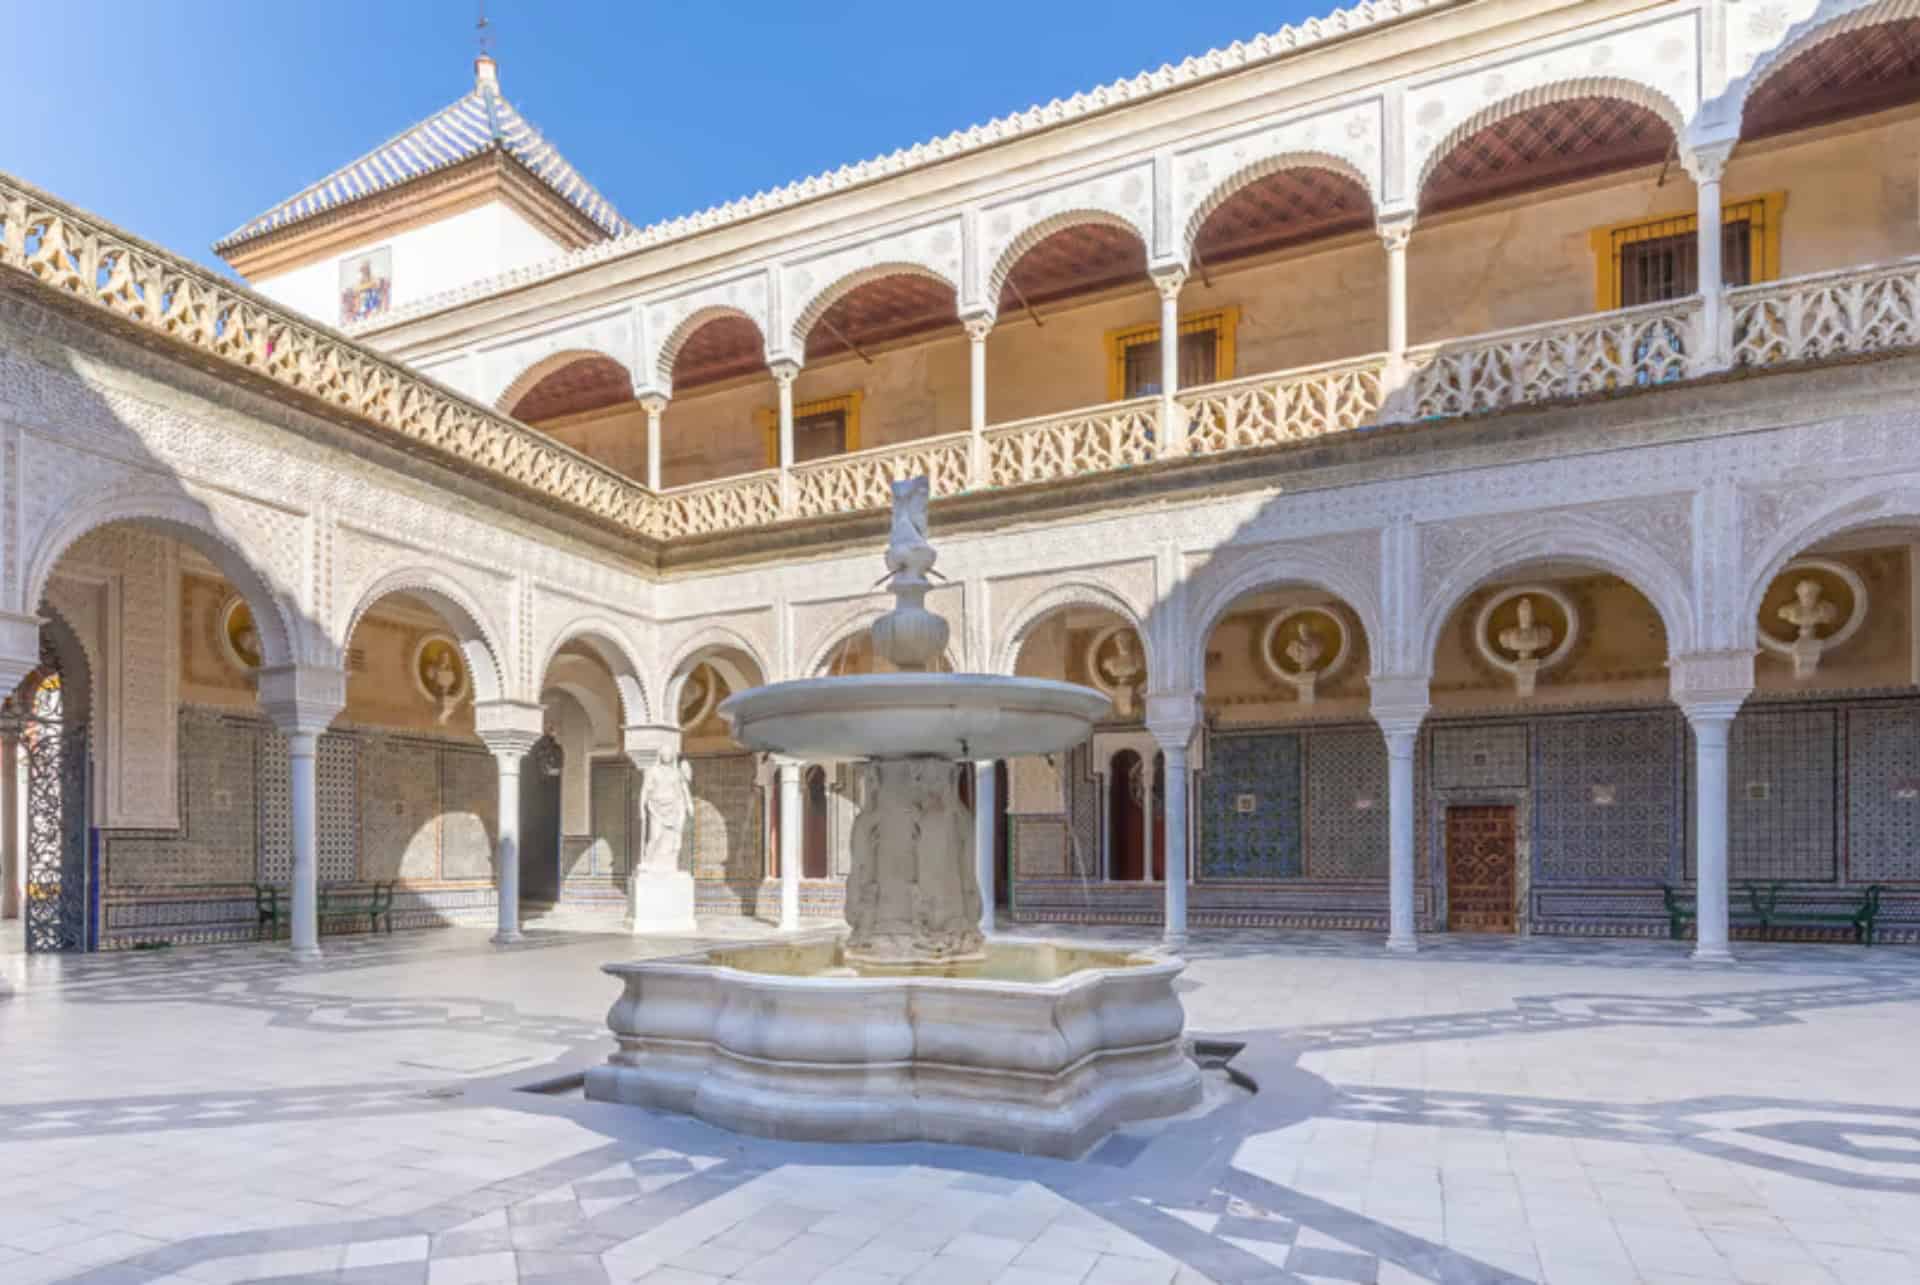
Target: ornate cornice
1236	57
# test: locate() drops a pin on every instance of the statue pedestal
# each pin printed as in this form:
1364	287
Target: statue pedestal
660	901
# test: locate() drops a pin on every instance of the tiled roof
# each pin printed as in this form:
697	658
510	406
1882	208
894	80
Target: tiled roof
483	119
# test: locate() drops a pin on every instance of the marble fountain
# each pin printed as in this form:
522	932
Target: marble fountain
910	1024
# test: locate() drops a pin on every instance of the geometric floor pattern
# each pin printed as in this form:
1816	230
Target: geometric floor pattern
1484	1111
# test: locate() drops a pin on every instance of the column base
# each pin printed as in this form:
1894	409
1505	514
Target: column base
1712	955
1408	945
1173	940
660	901
305	954
507	938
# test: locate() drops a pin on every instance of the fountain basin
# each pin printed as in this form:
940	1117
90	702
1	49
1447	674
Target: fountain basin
1040	1047
914	715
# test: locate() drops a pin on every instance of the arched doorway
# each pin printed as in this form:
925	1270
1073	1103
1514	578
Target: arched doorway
540	821
49	715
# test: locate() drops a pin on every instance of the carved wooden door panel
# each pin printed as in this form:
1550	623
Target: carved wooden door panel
1481	853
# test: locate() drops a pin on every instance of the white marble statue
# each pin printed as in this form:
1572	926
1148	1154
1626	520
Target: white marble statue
666	798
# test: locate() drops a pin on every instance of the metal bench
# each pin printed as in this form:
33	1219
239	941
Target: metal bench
1683	909
1860	918
337	901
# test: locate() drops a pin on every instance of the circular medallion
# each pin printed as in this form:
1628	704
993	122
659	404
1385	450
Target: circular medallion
239	639
1305	645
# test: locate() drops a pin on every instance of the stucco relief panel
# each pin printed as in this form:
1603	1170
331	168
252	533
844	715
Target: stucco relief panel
1662	56
936	247
745	294
1354	133
1020	601
1125	194
752	628
609	333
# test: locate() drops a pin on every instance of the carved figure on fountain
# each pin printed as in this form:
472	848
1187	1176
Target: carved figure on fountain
912	894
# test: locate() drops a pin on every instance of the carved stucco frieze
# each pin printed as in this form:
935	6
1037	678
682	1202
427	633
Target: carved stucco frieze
806	284
670	320
1654	63
1352	136
1018	223
503	364
1016	603
750	631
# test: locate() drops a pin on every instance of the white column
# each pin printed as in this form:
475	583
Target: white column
784	373
507	758
303	748
655	407
1399	707
9	824
1394	235
1712	724
302	700
791	824
1706	166
1173	427
1176	930
977	329
1146	816
1401	810
986	813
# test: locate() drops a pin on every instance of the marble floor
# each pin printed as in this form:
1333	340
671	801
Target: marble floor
1486	1111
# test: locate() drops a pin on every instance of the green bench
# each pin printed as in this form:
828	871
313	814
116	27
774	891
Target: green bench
337	901
1683	910
1762	908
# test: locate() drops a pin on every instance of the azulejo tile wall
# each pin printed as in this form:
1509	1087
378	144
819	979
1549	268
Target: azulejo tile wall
1883	798
1250	800
1608	797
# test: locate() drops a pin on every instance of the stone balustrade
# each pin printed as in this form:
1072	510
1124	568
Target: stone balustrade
1268	410
1827	314
861	480
1819	316
87	259
729	504
1603	352
1094	440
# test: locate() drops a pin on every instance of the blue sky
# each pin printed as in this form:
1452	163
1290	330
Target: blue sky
180	119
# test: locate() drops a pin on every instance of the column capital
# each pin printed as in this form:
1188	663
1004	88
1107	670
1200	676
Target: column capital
302	699
1399	699
654	403
1706	162
1711	684
1169	281
509	728
1395	229
1173	718
786	765
19	648
785	371
979	325
645	744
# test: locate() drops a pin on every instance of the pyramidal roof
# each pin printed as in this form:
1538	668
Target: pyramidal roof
477	123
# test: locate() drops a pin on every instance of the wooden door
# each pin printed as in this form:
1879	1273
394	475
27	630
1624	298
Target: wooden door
1481	877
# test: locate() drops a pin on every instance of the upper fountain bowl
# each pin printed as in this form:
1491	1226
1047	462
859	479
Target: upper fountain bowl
889	716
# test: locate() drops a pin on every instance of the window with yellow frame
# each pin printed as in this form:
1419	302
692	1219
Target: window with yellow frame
1206	354
1653	260
828	426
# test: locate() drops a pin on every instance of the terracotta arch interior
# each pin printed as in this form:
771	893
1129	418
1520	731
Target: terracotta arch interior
1285	208
1077	260
589	383
1855	72
880	311
1545	146
726	347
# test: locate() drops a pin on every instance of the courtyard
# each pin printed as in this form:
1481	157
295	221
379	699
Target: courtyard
1491	1110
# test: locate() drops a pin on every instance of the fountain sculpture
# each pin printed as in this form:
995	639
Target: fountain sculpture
910	1024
